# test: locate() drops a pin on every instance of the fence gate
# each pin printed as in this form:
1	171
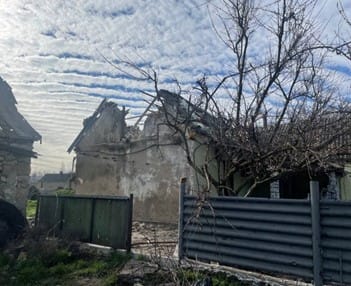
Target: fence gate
104	220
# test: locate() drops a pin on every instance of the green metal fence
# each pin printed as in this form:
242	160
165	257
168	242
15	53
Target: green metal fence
104	220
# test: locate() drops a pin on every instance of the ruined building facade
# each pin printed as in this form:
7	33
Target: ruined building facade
16	150
114	159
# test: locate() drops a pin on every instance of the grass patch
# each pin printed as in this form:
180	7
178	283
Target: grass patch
31	208
58	268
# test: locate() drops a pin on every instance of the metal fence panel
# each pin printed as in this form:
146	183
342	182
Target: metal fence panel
110	223
50	209
336	238
101	220
76	218
258	234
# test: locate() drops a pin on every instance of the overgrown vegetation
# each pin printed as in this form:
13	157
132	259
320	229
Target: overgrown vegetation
60	268
38	261
64	267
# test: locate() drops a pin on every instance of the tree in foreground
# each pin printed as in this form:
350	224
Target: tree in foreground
278	112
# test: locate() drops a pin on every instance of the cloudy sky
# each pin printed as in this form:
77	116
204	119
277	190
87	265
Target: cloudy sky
51	55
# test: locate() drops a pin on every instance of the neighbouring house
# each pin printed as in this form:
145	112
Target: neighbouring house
16	150
52	182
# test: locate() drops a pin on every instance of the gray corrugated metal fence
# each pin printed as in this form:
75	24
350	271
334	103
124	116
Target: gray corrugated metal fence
269	235
96	219
336	241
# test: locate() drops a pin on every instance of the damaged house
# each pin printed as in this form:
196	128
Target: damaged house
16	150
115	159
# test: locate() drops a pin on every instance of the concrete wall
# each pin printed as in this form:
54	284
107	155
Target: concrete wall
149	165
14	179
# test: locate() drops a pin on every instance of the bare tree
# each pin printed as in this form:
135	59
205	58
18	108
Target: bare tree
285	114
343	43
277	112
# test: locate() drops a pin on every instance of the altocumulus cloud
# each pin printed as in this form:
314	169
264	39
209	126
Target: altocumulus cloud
51	56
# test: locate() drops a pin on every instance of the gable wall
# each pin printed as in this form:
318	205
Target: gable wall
108	128
149	166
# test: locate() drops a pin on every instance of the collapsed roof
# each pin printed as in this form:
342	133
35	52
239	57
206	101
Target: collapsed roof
173	104
182	111
90	121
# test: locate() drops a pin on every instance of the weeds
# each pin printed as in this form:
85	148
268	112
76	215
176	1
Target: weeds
52	262
36	260
192	277
34	271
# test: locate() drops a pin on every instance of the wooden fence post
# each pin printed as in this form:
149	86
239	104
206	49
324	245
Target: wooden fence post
316	233
182	189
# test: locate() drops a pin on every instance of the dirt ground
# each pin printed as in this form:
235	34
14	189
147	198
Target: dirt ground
154	238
